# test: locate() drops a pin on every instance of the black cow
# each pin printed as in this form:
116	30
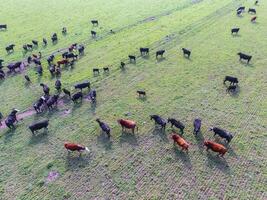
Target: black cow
76	96
177	124
159	120
46	89
244	57
141	93
252	10
64	30
235	30
27	78
81	49
106	69
160	53
10	48
39	125
144	51
96	70
94	22
70	55
122	65
67	92
38	105
85	84
222	133
58	85
92	95
186	52
132	58
93	33
50	59
51	101
13	66
35	42
104	127
44	41
1	63
54	38
29	46
11	119
3	26
197	126
52	69
39	70
239	12
241	8
232	80
25	47
256	3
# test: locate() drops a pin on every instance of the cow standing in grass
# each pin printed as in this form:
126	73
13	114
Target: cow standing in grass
180	141
104	127
71	147
216	147
159	120
11	119
128	124
39	125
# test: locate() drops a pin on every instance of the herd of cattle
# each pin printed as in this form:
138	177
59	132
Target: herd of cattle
49	101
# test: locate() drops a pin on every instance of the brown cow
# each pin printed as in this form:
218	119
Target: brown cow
129	124
180	141
215	147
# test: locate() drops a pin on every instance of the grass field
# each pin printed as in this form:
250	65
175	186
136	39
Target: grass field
144	165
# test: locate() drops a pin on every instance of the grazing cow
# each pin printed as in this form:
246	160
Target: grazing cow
51	101
239	12
13	66
39	125
104	127
160	53
75	147
81	50
128	124
37	106
39	70
232	80
29	46
3	26
141	93
132	58
242	8
215	147
177	124
66	92
256	3
106	69
235	30
81	86
197	126
244	57
186	52
62	62
29	59
96	71
10	48
159	120
52	69
70	55
46	89
11	119
231	88
64	30
50	59
222	133
25	47
122	65
54	38
27	78
92	95
180	141
94	22
76	96
253	19
36	61
58	85
35	42
144	51
44	41
93	33
252	10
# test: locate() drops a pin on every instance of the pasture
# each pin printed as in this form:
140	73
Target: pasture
144	165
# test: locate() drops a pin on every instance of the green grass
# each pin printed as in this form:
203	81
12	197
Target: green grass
144	166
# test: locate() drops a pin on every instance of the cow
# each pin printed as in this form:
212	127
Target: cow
256	3
39	70
253	19
239	12
3	26
244	57
231	79
215	147
36	61
54	38
13	66
44	41
93	33
160	53
159	120
132	58
64	30
2	75
52	69
50	59
186	52
29	46
46	89
141	93
85	84
66	92
76	96
81	49
72	47
92	95
177	124
144	51
235	30
27	78
39	125
51	101
37	106
128	124
58	85
222	133
241	8
197	126
94	22
70	55
231	88
104	127
11	119
71	147
62	62
25	47
122	65
10	48
96	71
252	10
180	141
1	63
35	42
106	69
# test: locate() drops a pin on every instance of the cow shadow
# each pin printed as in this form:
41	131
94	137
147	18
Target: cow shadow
93	107
161	59
160	132
200	140
230	150
141	98
77	106
39	137
9	134
129	138
236	35
235	93
218	162
146	57
51	112
77	161
188	58
104	140
182	156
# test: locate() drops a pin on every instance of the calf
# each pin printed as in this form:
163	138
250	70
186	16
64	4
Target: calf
186	52
235	30
58	85
144	51
96	71
75	147
231	79
3	26
180	141
128	124
94	22
231	88
76	96
104	127
252	10
46	89
177	124
44	41
106	69
93	33
39	125
66	92
10	48
35	42
159	120
51	101
222	133
92	95
85	84
215	147
253	19
160	53
244	57
197	126
141	93
132	58
38	105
